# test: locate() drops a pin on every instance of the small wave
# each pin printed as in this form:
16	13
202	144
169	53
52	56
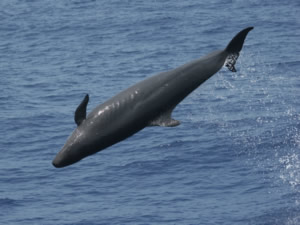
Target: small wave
8	202
281	216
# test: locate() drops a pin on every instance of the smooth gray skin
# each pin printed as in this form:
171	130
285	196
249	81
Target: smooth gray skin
147	103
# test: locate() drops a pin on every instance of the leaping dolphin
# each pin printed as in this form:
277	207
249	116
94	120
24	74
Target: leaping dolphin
147	103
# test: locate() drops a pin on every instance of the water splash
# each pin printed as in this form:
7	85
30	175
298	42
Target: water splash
231	60
290	172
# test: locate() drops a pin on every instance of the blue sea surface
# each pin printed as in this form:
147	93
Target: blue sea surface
235	158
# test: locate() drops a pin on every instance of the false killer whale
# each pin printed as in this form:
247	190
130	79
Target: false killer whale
147	103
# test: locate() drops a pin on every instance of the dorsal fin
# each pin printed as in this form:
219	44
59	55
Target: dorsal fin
80	113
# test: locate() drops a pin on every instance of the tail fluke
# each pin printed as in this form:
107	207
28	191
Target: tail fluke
236	44
234	47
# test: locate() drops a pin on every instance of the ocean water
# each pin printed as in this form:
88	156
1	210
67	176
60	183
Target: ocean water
235	158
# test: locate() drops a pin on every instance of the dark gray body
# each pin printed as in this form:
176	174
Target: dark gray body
147	103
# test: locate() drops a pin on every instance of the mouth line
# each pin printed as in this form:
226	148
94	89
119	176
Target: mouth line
58	162
56	165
